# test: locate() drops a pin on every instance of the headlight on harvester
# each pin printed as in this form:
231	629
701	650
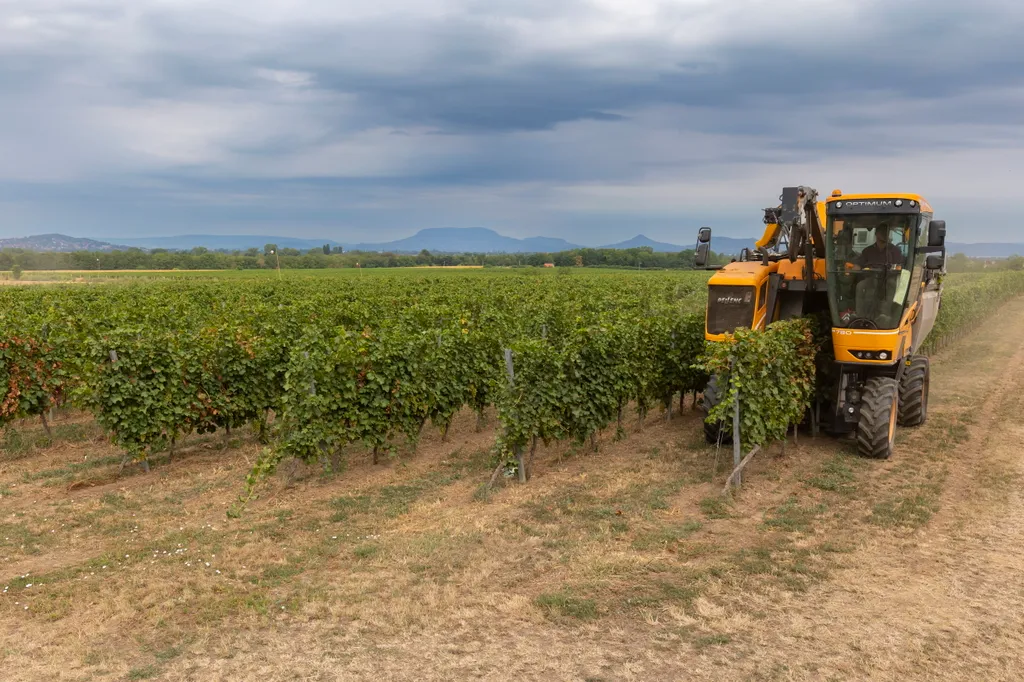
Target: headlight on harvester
871	354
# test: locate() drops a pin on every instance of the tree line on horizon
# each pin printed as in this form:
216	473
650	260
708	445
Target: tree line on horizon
271	257
326	257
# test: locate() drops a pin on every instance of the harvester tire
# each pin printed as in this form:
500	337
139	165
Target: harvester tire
714	431
879	407
914	392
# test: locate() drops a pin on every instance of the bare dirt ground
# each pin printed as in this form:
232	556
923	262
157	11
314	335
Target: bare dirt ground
621	564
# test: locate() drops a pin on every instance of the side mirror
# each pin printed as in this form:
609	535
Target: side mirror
701	257
704	235
937	233
934	262
744	254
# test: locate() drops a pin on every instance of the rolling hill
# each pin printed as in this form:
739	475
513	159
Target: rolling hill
57	242
466	240
224	242
435	240
985	250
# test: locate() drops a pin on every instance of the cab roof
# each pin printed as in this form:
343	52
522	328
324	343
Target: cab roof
922	202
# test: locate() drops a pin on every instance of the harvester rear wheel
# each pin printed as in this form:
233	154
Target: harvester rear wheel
914	392
876	428
720	432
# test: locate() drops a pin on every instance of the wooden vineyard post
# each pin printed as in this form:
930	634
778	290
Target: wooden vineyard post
738	460
510	370
815	416
736	446
738	471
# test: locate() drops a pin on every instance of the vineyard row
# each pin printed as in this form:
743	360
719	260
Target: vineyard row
369	362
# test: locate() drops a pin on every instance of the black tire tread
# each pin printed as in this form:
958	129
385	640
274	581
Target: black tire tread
875	409
914	392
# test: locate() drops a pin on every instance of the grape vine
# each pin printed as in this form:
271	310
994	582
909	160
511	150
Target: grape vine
374	361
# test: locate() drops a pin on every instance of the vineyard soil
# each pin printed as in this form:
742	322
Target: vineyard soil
625	563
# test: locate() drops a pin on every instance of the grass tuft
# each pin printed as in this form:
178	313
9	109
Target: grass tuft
563	604
711	640
146	672
835	476
792	517
911	511
366	551
666	535
715	507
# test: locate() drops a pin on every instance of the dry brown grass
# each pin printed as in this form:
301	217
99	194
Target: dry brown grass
622	564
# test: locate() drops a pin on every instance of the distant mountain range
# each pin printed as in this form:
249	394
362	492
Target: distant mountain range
435	240
466	240
58	242
641	241
223	242
985	250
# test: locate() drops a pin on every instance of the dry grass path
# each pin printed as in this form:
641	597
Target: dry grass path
624	564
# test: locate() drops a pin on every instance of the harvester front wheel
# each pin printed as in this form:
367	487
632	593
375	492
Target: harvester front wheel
720	432
914	392
876	428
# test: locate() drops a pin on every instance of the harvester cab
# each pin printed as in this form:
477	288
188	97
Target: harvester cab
868	267
885	256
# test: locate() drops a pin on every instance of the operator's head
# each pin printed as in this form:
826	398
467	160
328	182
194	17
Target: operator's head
882	233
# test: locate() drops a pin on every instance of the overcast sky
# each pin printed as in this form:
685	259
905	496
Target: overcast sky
591	120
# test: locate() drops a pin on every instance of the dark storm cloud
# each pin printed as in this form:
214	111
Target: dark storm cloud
226	100
921	50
